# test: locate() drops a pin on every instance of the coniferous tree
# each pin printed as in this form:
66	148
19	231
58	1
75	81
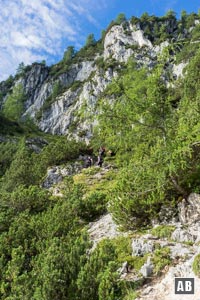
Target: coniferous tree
14	104
120	18
20	69
90	41
69	54
20	171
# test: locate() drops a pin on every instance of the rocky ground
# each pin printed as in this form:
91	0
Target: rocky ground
180	236
103	228
182	242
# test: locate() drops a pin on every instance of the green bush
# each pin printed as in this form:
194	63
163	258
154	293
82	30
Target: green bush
134	20
163	231
196	265
7	152
14	104
58	69
76	84
100	62
161	258
131	295
20	170
123	248
136	262
33	199
120	19
88	52
91	207
110	287
101	266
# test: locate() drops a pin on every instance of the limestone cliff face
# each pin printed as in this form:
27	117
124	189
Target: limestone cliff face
38	83
119	40
84	82
36	86
62	116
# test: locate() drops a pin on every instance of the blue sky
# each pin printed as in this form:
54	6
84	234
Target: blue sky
35	30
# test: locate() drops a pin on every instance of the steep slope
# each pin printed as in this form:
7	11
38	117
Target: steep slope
123	230
62	99
167	250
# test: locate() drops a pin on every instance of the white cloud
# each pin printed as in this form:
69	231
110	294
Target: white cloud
35	30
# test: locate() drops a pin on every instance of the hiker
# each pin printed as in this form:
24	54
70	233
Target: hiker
89	162
100	161
101	156
111	153
102	151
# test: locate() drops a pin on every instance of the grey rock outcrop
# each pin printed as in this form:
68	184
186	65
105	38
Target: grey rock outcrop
188	229
63	113
183	235
35	86
167	214
117	42
58	173
179	250
147	269
178	69
123	269
34	78
182	255
163	288
189	211
103	228
142	246
40	87
58	117
194	230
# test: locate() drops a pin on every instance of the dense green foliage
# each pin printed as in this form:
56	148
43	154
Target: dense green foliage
156	139
161	259
69	54
159	29
120	18
150	122
196	265
7	151
163	231
5	87
28	168
90	41
44	245
14	104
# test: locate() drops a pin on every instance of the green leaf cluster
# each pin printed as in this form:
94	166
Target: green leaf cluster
14	104
151	123
156	138
196	265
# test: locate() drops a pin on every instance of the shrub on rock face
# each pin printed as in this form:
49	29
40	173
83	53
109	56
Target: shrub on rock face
161	259
196	265
120	18
163	231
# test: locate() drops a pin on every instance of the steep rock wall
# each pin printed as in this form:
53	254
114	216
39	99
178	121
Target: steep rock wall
84	82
